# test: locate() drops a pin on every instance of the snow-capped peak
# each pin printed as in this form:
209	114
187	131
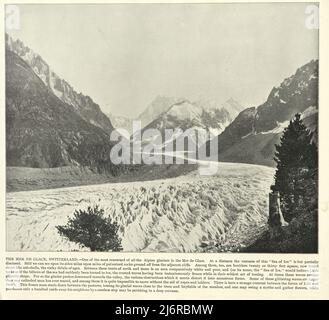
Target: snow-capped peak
185	110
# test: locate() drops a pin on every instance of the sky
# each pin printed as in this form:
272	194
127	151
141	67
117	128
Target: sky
124	55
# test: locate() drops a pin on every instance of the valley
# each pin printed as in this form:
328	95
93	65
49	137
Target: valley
58	157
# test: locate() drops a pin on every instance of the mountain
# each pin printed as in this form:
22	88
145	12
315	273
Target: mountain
120	122
231	106
162	104
42	130
159	105
186	115
294	95
83	105
252	136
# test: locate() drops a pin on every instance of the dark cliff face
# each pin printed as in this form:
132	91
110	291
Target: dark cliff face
43	131
252	135
83	105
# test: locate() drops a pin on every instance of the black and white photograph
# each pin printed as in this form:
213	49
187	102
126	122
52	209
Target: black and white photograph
165	128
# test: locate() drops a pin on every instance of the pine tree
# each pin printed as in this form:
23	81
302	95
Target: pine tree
92	229
297	163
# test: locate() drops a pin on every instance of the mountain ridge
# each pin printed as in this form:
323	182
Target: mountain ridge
185	115
161	104
44	132
83	104
252	135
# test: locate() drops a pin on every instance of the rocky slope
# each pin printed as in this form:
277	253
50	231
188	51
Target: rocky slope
42	130
294	95
252	136
83	105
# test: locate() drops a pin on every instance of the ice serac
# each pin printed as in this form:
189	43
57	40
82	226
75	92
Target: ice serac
182	214
252	136
83	104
